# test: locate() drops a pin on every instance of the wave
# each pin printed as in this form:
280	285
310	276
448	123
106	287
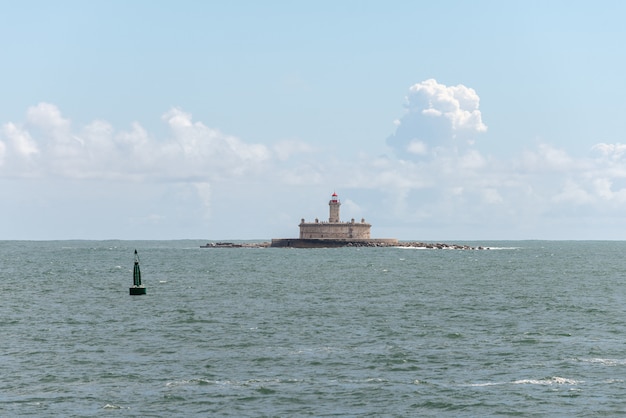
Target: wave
555	380
111	406
605	361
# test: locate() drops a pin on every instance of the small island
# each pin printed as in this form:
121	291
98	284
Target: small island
335	233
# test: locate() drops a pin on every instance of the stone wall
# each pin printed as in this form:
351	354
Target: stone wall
332	243
334	230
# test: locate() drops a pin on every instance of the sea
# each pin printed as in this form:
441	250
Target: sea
523	328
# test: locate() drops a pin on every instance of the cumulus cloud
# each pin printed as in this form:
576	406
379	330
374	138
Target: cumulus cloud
98	150
548	158
204	150
417	147
437	116
21	141
48	118
440	169
18	152
613	151
533	188
573	193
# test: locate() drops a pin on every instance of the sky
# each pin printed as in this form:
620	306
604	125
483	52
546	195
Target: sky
213	120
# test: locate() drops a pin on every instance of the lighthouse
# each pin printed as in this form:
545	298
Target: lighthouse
334	233
334	204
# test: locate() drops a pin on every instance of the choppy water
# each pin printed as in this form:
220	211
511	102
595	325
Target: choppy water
531	329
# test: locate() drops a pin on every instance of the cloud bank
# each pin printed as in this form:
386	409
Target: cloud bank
436	181
47	144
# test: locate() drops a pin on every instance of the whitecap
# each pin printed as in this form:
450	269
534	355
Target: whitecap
565	381
479	385
178	383
184	382
605	361
555	380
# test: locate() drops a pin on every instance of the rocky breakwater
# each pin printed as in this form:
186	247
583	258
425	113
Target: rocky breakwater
300	243
415	244
236	245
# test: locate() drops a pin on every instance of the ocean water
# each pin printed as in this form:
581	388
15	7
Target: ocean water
527	328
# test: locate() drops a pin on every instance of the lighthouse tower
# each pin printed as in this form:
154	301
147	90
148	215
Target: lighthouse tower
334	208
333	233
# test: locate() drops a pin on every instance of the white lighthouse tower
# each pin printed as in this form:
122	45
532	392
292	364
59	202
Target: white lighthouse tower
334	208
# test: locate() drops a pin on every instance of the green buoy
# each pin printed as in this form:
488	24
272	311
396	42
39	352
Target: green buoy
138	288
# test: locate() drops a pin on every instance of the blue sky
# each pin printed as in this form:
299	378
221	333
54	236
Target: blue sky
450	120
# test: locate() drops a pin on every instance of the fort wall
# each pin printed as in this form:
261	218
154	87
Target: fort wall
332	243
334	230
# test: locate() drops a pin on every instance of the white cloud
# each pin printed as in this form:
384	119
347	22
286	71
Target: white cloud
417	147
18	152
203	150
472	160
20	140
432	185
458	104
614	151
137	137
548	158
204	193
492	196
440	116
97	150
573	193
351	210
48	118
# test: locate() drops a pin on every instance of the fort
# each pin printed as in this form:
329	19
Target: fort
333	233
